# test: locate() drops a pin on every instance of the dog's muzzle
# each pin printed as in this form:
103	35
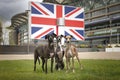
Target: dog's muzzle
67	41
51	54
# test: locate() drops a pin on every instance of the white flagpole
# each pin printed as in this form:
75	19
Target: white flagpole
29	25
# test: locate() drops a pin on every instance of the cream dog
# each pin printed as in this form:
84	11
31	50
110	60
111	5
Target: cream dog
71	52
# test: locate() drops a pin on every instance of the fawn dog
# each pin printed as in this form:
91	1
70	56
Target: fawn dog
71	52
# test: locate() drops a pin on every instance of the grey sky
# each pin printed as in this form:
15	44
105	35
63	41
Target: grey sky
9	8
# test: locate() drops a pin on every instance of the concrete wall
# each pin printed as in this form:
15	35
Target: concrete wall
113	49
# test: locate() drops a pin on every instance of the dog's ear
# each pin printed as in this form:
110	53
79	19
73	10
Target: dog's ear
54	35
65	36
46	36
61	36
71	36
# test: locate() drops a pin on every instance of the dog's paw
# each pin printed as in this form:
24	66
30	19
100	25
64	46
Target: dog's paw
59	69
67	71
81	67
73	71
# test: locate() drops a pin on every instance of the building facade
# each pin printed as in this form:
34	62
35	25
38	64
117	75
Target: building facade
1	37
103	24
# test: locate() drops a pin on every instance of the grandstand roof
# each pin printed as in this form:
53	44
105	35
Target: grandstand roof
63	2
19	19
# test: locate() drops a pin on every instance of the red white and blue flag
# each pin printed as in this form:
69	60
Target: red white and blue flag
44	18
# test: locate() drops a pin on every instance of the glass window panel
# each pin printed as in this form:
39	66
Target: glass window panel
97	13
99	18
115	15
114	8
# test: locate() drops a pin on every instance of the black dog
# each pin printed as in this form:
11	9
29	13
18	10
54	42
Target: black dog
59	54
45	52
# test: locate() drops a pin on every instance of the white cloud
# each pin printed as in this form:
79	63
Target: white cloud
9	8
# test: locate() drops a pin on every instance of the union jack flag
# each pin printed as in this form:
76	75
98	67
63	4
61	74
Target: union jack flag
44	18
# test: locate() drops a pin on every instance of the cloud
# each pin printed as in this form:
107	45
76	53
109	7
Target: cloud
8	8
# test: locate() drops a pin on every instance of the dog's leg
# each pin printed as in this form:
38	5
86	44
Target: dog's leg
43	62
73	64
56	66
62	65
79	62
45	65
67	64
59	66
35	60
52	60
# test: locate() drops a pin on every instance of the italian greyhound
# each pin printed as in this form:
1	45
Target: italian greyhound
59	53
71	52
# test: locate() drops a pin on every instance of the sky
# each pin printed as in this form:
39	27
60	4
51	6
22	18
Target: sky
9	8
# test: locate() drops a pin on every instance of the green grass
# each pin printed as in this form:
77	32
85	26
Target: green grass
93	70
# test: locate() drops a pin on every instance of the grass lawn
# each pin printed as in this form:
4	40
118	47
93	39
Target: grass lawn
93	70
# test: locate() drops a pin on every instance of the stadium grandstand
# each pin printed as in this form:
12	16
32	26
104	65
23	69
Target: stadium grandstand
102	22
19	29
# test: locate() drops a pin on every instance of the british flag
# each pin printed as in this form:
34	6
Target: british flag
44	18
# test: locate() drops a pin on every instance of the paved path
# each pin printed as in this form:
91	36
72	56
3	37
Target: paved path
16	56
82	55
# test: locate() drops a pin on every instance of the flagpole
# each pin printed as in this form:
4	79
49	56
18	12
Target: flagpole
60	25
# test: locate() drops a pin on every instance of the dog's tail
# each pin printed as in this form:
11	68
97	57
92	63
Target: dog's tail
36	57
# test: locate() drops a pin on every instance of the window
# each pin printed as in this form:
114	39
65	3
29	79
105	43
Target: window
99	12
114	8
99	18
87	15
